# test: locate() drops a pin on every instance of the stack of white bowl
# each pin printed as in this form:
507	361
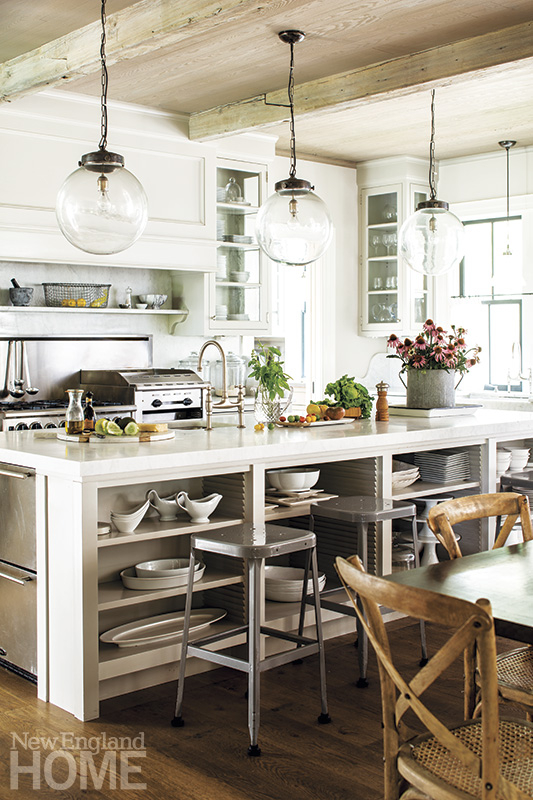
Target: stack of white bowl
127	522
503	461
293	479
284	584
519	458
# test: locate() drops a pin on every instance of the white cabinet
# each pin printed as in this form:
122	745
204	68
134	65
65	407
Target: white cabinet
393	298
234	299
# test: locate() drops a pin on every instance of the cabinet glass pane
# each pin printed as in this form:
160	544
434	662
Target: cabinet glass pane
382	208
382	274
383	307
238	265
238	303
245	186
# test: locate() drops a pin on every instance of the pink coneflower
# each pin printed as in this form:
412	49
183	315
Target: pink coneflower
418	361
438	353
394	341
460	343
407	344
451	362
420	343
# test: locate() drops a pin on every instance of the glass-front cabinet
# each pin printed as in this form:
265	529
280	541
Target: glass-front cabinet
238	296
393	297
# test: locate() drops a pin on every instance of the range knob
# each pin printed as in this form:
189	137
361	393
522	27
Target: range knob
187	401
50	425
21	426
156	403
35	426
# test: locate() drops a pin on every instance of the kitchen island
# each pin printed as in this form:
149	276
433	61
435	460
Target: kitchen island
80	594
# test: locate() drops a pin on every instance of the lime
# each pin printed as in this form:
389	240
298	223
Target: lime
113	429
271	426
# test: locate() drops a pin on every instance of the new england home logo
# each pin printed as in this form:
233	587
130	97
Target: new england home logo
65	760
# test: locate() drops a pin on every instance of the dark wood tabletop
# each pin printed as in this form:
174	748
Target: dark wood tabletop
504	576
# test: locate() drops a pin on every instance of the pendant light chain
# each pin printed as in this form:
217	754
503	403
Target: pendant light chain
104	80
508	188
292	170
433	191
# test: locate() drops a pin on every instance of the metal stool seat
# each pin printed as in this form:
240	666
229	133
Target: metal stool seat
254	544
359	511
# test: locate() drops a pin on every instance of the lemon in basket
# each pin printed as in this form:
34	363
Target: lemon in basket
99	302
80	302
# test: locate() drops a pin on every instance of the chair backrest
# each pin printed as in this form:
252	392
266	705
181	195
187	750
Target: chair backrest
473	631
444	516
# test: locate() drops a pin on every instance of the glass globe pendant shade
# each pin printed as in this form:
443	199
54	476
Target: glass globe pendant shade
294	226
431	240
101	207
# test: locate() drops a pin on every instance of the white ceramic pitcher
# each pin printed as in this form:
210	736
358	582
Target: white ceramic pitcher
166	507
198	510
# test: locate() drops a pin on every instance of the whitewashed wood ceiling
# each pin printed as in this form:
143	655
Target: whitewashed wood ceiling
192	56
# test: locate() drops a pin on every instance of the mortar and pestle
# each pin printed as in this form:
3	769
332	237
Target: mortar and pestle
20	295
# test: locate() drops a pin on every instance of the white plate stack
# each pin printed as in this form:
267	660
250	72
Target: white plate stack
443	466
503	461
284	584
403	474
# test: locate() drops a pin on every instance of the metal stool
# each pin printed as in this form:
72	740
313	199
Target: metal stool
254	544
360	511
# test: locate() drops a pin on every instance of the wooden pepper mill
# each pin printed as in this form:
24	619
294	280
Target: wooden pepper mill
382	405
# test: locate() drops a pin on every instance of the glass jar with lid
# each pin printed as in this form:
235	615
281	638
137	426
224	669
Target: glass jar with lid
236	374
74	414
191	362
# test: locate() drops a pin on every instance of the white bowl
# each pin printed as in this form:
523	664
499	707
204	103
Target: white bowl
293	478
518	451
239	277
153	300
138	511
125	525
141	305
132	581
164	568
284	584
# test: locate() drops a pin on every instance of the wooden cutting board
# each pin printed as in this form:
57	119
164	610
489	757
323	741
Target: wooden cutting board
91	438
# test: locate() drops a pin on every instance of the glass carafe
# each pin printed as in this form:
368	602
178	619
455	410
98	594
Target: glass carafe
74	416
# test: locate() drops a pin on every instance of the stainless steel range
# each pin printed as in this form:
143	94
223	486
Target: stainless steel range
37	414
158	395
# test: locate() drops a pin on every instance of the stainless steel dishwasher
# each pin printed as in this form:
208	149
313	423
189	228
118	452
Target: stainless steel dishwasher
18	570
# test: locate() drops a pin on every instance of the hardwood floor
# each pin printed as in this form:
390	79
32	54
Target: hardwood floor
206	759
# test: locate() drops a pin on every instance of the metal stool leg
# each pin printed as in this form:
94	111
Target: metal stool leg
324	717
177	722
254	653
423	643
362	641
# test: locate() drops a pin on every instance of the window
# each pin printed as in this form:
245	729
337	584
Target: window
491	279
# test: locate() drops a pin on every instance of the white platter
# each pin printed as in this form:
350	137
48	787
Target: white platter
131	581
162	628
318	422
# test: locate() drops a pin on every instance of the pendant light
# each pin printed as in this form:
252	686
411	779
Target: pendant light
431	240
507	144
293	226
101	207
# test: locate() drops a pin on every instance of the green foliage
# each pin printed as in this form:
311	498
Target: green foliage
267	369
348	394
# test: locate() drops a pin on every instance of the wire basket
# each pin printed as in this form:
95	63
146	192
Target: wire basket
76	295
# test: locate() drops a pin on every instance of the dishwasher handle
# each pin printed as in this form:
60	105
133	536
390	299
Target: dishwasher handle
21	475
16	574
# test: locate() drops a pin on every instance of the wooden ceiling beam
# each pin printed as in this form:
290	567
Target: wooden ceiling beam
138	30
408	74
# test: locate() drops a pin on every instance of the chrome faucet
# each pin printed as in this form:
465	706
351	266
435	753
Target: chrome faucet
225	402
514	372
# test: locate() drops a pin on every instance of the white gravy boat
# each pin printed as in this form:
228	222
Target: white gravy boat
166	507
198	510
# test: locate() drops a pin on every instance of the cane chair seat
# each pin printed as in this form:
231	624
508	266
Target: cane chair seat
426	758
515	671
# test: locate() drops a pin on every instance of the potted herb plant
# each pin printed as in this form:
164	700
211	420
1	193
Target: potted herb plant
431	362
273	394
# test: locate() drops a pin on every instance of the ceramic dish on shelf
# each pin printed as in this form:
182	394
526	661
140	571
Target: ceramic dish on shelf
284	584
126	522
131	580
293	478
164	568
161	628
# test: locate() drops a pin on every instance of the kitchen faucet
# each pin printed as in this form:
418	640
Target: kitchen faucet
225	402
514	372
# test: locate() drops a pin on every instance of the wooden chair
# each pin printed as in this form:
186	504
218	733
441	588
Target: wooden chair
515	669
487	758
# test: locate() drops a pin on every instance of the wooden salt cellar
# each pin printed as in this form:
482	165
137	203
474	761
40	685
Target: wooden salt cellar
382	405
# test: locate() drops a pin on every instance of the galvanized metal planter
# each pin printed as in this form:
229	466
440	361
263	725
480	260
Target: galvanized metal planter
431	388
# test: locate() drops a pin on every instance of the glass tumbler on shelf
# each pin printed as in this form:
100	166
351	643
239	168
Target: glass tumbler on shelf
74	416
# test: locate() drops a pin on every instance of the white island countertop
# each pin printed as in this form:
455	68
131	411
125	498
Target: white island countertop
226	444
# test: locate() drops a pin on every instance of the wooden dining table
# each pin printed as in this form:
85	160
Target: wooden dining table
504	576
